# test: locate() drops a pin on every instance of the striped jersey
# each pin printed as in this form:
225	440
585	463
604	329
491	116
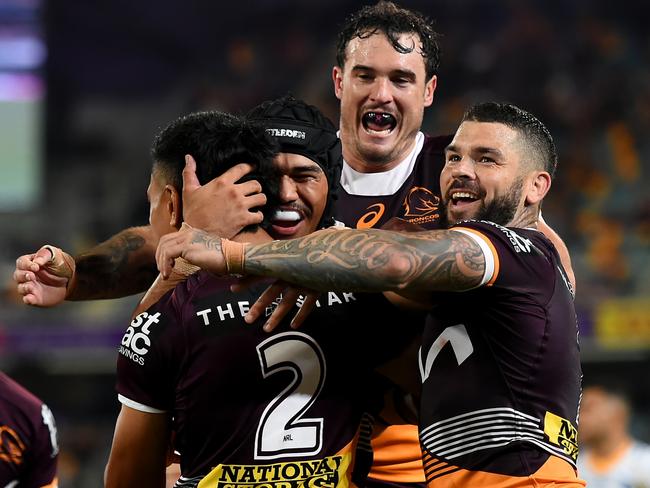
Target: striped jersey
500	369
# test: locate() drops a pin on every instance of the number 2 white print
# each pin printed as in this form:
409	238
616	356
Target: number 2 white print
283	431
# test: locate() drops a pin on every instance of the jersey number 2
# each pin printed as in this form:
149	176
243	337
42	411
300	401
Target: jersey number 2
283	431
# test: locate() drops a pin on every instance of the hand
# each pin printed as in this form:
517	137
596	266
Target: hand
204	206
195	246
290	296
43	278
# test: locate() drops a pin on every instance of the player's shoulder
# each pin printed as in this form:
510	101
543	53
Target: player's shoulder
14	394
437	143
520	240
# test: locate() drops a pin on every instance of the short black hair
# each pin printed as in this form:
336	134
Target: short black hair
217	141
392	21
536	137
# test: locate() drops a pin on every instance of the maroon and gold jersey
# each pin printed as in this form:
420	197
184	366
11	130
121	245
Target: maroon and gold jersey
251	407
411	191
500	369
28	443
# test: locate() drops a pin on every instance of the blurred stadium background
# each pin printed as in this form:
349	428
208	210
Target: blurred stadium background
84	86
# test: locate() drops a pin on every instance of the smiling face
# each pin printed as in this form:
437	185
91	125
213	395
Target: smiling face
484	175
303	196
383	94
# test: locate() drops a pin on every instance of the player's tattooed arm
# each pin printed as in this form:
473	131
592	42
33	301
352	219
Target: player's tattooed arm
372	260
123	265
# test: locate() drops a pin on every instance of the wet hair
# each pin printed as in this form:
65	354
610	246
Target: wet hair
393	21
300	128
217	141
537	140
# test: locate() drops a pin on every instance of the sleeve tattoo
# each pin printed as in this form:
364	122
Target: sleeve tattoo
372	260
121	266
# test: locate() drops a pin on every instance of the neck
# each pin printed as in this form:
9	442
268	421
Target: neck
362	164
527	217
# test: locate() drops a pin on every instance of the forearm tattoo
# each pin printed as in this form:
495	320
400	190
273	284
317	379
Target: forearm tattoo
372	260
124	265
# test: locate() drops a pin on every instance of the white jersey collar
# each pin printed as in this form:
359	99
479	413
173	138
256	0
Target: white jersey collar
383	183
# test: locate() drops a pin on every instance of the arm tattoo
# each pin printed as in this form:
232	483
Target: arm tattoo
208	240
372	260
121	266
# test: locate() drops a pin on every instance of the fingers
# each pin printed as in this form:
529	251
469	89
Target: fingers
165	253
289	299
190	180
305	309
237	172
26	263
267	298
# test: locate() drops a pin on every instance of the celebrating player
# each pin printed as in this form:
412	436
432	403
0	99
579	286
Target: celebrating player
499	361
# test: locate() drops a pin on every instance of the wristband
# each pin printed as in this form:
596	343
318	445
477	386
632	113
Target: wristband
233	254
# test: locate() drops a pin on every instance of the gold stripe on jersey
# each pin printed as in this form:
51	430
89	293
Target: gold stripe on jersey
489	251
397	455
554	473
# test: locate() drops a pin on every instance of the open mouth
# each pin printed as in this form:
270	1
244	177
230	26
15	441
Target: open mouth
285	222
462	197
378	123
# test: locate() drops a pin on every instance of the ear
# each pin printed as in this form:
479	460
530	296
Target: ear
538	187
174	206
429	90
337	78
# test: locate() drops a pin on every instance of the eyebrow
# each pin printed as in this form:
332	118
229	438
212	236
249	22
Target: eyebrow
399	72
307	168
477	149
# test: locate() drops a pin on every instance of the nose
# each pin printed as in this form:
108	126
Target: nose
381	91
288	189
463	168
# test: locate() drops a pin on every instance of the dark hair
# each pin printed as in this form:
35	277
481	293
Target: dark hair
300	128
536	138
217	141
392	21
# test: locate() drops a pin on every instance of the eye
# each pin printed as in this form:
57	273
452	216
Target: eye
453	158
401	81
486	160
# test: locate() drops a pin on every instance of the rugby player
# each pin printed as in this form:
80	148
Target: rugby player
28	449
499	361
245	406
385	76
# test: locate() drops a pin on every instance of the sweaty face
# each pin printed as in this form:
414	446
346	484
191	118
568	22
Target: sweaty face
303	196
383	94
482	176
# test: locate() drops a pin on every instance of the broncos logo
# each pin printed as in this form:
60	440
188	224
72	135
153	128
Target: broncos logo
12	447
420	202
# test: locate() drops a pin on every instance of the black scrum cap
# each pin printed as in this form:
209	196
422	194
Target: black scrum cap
302	129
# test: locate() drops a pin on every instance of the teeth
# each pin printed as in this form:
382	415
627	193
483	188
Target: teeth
462	194
286	215
380	132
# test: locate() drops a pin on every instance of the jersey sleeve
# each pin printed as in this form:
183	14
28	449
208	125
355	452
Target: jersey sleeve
514	258
43	456
149	357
